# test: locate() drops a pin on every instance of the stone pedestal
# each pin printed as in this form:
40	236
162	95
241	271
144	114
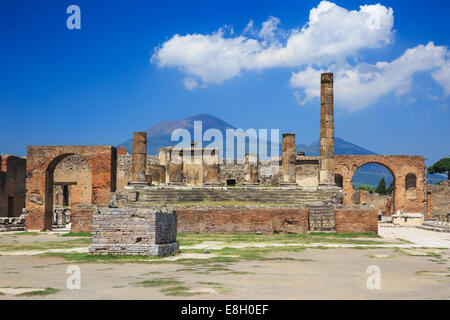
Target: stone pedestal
134	231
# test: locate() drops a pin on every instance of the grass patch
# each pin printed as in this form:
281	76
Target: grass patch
404	240
223	290
86	257
77	234
25	233
44	292
46	245
374	256
178	291
158	282
344	238
2	294
210	283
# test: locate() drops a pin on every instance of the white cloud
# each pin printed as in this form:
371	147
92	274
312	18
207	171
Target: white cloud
190	83
362	85
331	34
442	76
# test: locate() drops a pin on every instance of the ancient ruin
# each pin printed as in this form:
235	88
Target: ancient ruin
65	185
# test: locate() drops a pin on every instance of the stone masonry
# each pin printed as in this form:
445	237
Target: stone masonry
134	231
326	173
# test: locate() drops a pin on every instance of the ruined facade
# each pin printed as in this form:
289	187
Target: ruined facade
40	177
12	185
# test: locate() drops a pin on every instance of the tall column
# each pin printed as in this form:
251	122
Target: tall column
288	158
139	156
326	174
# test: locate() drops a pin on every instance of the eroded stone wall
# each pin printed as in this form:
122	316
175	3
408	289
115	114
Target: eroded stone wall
75	172
12	185
379	201
440	199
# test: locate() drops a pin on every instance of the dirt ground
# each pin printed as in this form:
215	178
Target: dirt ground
303	273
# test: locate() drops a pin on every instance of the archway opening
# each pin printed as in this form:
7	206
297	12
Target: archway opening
68	182
374	184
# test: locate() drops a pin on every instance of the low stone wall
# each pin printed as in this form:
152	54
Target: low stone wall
356	220
134	231
407	219
12	224
242	220
81	217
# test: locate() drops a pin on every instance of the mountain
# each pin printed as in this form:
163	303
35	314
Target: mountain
159	136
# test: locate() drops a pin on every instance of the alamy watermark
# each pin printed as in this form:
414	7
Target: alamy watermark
235	143
74	20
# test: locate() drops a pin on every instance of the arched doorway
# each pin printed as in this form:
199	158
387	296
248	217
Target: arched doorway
373	184
72	185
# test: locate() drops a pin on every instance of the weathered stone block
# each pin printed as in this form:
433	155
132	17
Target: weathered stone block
134	231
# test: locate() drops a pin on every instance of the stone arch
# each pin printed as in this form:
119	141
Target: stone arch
399	166
41	163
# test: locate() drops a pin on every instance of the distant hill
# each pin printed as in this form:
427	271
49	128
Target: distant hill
159	136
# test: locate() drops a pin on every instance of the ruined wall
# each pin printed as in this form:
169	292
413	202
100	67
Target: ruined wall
440	199
124	169
356	220
307	172
12	185
242	220
406	198
379	201
75	171
81	217
41	163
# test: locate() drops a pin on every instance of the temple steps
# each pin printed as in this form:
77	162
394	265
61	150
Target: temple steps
257	195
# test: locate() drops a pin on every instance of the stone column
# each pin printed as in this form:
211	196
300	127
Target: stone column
326	174
251	169
288	158
139	157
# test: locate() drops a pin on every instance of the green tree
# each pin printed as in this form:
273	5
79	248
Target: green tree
390	188
381	189
441	166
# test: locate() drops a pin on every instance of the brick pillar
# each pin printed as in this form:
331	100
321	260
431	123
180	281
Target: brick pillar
429	205
139	156
288	158
326	174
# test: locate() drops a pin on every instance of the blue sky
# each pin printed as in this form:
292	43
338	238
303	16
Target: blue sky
97	85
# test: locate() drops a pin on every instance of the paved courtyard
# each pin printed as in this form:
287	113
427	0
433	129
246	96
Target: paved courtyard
413	264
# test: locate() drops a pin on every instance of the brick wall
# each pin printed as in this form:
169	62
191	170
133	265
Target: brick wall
356	220
81	217
12	185
242	220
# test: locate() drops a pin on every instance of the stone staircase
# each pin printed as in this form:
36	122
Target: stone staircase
256	195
